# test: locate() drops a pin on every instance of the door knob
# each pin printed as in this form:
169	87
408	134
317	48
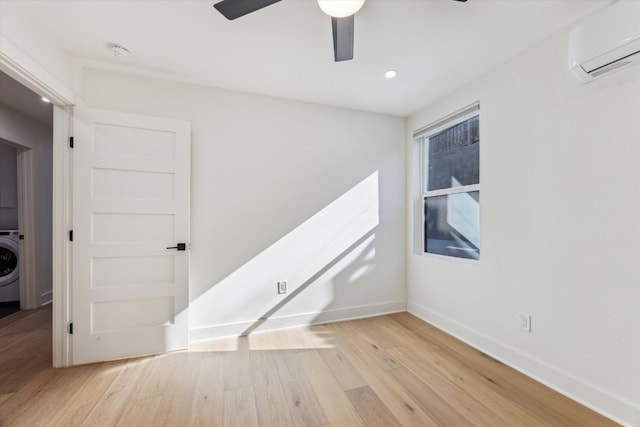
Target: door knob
179	246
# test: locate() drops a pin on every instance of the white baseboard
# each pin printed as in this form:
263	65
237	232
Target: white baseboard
617	409
273	323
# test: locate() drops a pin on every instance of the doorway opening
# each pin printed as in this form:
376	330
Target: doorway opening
26	192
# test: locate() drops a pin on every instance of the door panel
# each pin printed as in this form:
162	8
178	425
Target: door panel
131	203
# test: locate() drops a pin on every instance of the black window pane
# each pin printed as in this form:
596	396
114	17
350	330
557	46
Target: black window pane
454	156
452	225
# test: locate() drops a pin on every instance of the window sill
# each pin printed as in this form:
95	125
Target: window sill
449	258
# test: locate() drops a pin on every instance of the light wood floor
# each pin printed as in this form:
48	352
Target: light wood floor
385	371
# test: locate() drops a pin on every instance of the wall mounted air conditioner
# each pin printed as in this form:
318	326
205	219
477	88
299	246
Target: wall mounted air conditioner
606	42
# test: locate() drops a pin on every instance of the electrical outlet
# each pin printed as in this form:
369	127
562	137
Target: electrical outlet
282	287
524	322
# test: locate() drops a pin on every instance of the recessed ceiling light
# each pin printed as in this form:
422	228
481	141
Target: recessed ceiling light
391	74
45	99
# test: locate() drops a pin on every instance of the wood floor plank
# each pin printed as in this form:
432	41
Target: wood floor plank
479	404
304	406
13	407
30	343
207	407
118	396
365	359
27	369
240	408
78	407
25	320
336	405
433	404
354	335
347	376
54	395
5	397
9	368
374	331
157	374
370	408
318	336
273	408
175	405
238	366
140	412
220	345
12	318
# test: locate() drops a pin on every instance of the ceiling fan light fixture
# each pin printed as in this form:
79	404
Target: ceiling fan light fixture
340	8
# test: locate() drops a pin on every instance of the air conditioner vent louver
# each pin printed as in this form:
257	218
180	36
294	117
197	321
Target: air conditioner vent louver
602	70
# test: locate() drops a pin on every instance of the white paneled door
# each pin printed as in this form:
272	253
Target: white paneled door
130	213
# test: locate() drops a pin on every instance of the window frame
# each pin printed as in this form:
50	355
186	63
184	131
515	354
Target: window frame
421	136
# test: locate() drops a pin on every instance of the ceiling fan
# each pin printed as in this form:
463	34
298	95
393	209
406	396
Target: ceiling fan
340	11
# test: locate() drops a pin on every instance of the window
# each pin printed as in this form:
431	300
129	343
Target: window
451	185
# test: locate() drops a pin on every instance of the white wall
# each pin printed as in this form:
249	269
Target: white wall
560	203
281	190
27	133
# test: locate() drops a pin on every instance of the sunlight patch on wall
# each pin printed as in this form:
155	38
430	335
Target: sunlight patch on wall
312	250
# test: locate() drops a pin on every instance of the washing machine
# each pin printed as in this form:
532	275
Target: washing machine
9	274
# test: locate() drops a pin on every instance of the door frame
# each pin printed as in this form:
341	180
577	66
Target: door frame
21	67
26	225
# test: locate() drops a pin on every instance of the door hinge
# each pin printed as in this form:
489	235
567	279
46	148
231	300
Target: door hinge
71	235
71	141
71	328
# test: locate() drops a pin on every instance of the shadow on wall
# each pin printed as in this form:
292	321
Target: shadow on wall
336	246
339	281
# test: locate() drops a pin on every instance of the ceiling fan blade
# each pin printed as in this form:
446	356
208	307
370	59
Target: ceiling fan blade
232	9
342	38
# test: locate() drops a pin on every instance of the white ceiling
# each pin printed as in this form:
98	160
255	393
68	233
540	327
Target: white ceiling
285	50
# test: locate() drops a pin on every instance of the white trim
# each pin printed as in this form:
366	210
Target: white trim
448	258
589	395
22	68
327	316
449	120
27	227
61	213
